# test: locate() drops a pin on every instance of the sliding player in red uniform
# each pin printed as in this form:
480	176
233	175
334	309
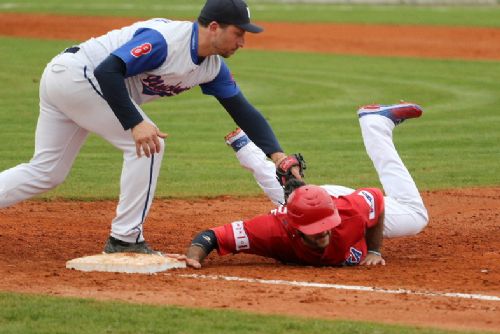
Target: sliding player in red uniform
329	225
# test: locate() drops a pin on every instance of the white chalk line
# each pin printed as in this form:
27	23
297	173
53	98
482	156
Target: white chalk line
345	287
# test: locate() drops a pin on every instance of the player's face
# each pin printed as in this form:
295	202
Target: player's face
317	241
227	40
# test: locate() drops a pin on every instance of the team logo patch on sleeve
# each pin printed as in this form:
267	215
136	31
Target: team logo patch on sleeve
354	257
240	236
370	200
141	50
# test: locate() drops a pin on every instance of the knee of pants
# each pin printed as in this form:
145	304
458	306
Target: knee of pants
53	178
419	223
422	223
421	218
405	225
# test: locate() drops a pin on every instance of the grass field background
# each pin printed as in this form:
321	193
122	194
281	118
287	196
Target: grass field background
310	99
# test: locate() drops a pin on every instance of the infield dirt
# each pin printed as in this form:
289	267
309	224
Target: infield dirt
458	251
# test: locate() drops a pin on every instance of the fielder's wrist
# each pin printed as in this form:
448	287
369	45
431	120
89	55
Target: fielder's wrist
277	157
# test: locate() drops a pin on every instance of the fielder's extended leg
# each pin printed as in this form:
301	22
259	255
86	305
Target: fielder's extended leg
58	140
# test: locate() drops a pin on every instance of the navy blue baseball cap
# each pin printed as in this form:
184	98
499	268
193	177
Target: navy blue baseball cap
234	12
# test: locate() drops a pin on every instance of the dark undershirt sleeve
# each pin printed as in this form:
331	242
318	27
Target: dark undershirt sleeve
111	77
252	122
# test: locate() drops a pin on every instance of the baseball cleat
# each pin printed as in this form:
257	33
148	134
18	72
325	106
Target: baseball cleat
237	139
395	112
114	245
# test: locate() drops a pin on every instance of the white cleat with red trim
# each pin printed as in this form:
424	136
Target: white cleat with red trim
395	112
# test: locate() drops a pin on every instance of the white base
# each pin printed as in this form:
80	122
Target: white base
131	263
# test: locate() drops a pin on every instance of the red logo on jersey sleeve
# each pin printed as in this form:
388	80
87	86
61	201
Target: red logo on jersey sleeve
141	50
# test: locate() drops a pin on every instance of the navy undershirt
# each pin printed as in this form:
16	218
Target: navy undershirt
111	77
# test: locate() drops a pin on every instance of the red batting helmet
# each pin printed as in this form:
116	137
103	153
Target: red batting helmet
311	210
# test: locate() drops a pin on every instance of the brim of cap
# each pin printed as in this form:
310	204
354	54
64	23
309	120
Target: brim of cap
251	28
322	225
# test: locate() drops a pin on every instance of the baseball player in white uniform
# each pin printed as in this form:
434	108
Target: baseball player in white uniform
99	85
405	212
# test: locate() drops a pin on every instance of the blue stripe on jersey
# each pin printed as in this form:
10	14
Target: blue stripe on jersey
194	44
146	51
223	86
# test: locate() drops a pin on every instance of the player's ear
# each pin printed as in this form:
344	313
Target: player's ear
213	26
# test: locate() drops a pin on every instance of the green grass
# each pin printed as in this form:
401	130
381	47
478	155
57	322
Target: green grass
25	314
487	16
310	99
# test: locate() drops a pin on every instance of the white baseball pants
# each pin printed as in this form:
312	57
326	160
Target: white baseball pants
70	108
405	213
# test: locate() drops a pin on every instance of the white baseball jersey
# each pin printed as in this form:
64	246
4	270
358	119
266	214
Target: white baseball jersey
161	60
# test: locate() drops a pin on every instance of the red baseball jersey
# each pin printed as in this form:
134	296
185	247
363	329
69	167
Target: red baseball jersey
271	236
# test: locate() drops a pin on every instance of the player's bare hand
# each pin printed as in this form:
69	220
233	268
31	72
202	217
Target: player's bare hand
189	262
373	260
146	139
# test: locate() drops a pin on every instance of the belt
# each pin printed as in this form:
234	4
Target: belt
73	49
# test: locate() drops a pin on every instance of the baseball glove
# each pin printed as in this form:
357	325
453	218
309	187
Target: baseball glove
290	187
284	168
